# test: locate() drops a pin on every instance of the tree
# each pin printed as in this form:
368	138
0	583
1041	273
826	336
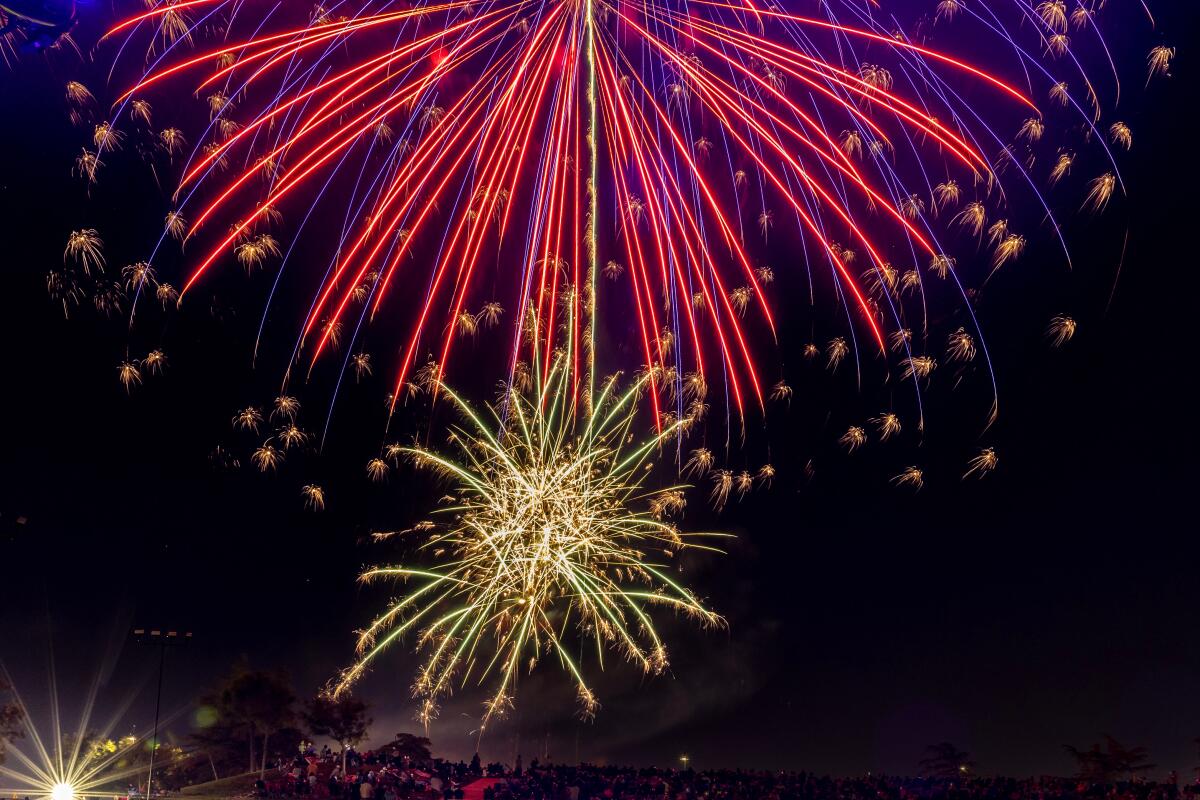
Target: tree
944	760
250	706
344	720
1111	761
11	718
263	701
414	748
220	739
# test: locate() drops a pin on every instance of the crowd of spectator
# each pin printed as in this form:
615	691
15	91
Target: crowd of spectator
385	774
390	775
615	783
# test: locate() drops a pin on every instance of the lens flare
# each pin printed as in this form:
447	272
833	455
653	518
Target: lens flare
58	763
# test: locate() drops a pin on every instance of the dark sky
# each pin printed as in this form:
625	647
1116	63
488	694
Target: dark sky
1054	601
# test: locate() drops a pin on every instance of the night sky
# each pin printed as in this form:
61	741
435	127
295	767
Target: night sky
1048	604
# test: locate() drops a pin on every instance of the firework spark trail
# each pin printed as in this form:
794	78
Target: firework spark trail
553	534
636	89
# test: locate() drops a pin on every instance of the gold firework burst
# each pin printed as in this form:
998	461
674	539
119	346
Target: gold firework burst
377	470
1159	62
86	248
286	407
887	425
542	538
267	458
248	419
1100	191
982	464
1061	330
314	497
836	350
919	367
155	361
1121	135
961	346
129	374
854	438
911	476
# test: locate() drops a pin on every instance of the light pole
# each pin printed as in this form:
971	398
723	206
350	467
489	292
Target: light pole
162	639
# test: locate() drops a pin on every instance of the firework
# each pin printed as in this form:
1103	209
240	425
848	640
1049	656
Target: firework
1061	330
377	470
1121	135
854	438
79	95
765	475
1159	61
982	464
887	425
700	462
900	339
1100	191
86	248
286	407
314	497
166	294
919	367
155	361
911	476
961	346
130	375
138	276
644	140
362	365
835	351
64	288
290	436
550	533
248	419
267	458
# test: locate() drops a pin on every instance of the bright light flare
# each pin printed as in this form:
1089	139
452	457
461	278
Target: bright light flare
59	763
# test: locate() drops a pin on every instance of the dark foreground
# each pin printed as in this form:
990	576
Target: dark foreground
377	777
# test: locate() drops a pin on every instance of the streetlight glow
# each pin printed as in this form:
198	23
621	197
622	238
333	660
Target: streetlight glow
62	791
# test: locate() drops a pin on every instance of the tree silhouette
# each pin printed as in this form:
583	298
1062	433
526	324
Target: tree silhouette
415	748
1109	761
251	706
944	760
344	720
11	718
